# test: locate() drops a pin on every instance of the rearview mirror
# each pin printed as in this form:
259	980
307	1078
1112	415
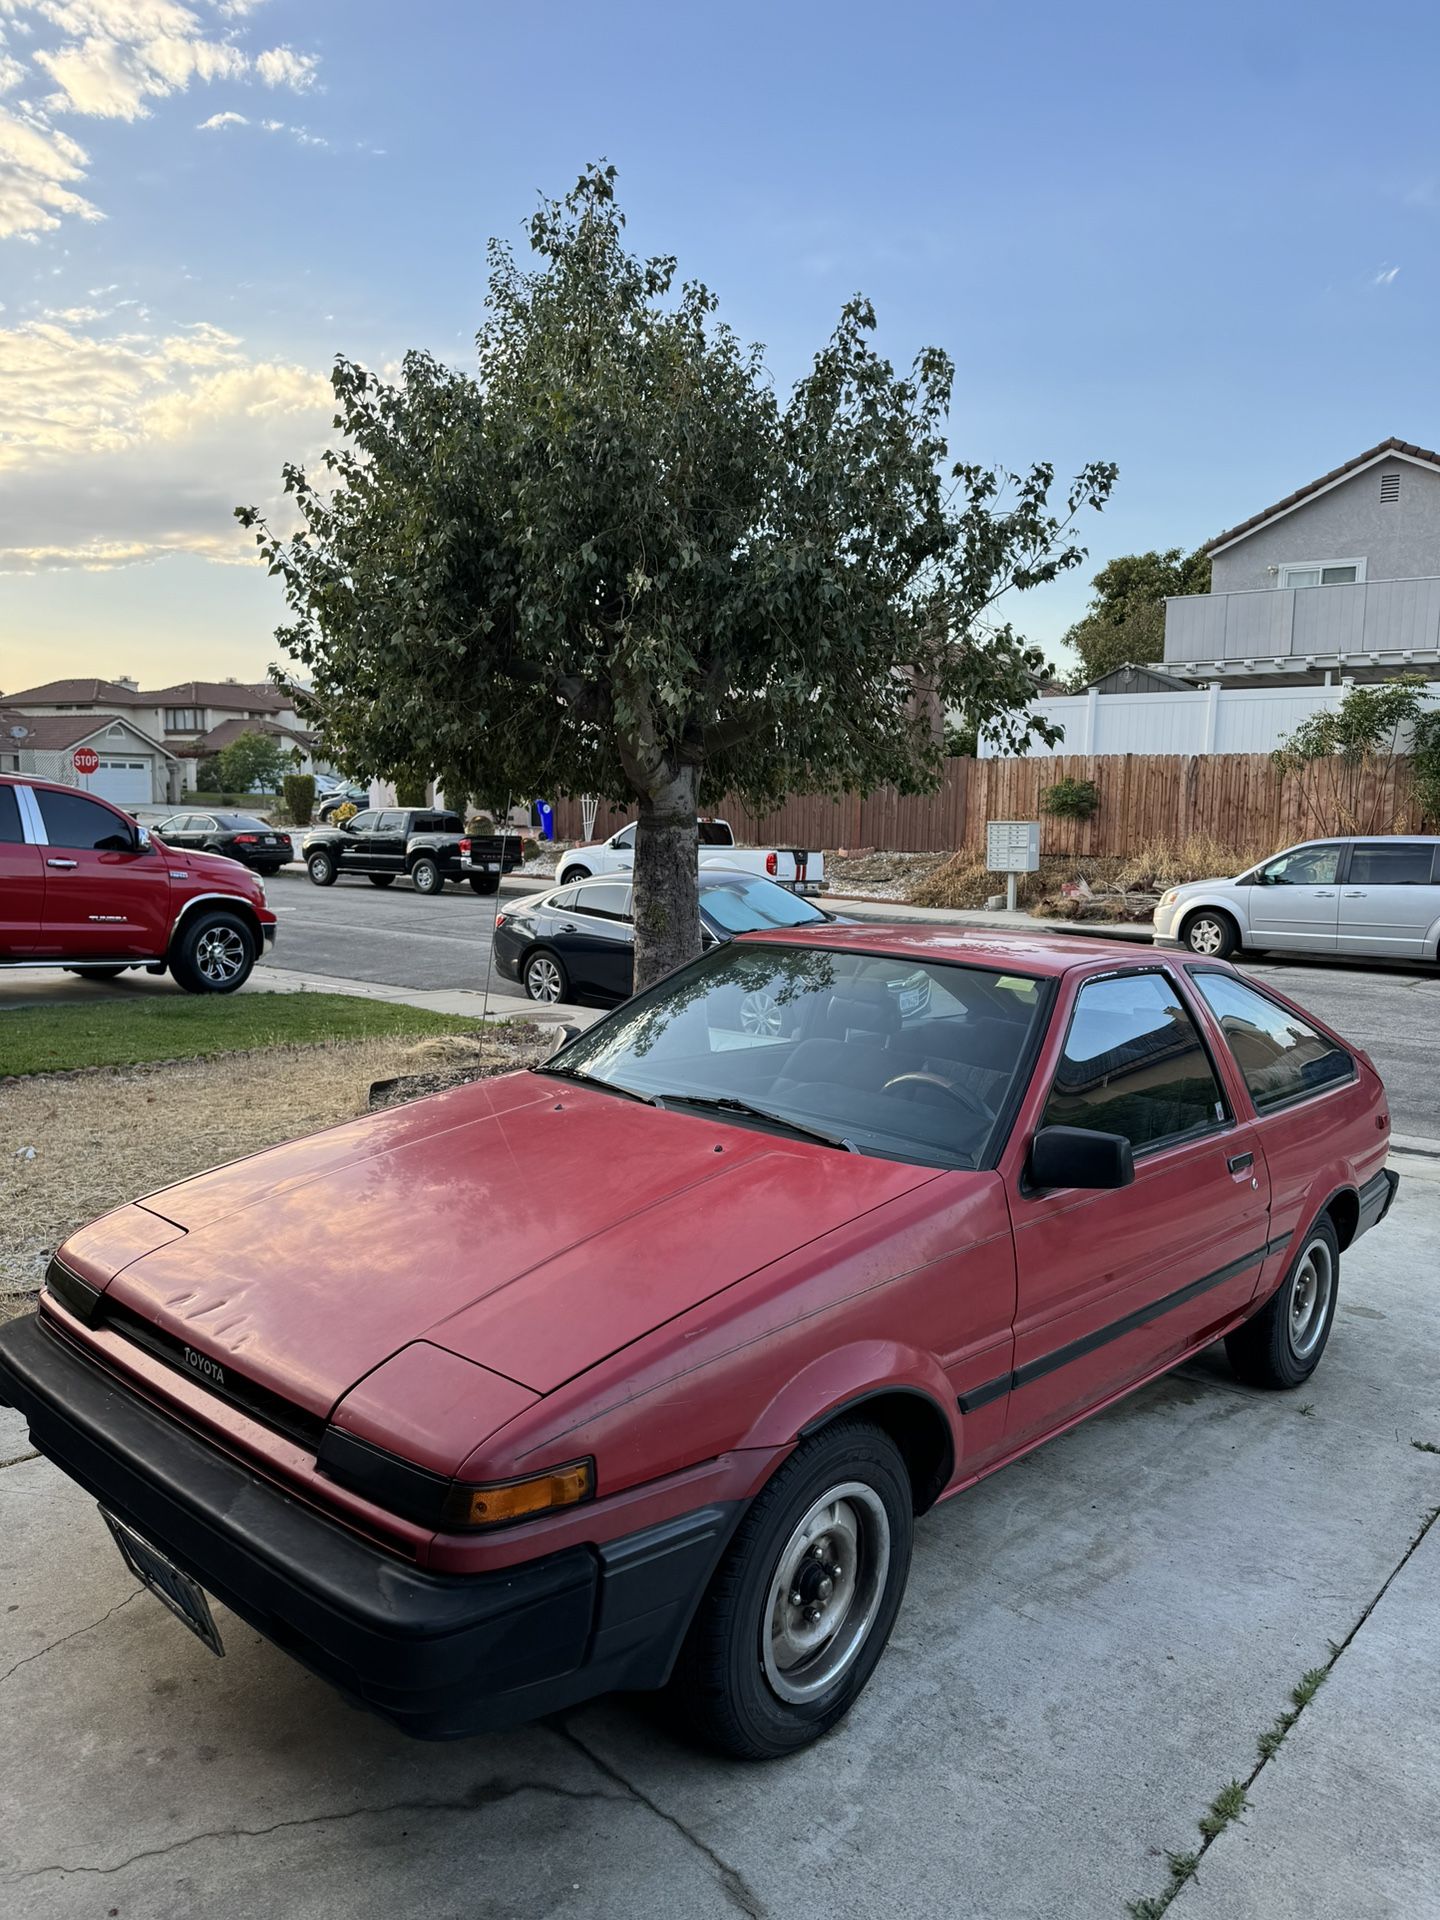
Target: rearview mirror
1080	1157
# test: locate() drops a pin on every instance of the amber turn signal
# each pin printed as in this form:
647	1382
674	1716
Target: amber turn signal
524	1499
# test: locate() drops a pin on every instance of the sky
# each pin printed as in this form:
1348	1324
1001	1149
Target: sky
1201	243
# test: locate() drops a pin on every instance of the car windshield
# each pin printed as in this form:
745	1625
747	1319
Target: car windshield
754	905
879	1055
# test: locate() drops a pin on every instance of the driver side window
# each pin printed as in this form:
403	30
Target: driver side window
1134	1064
364	823
625	842
1303	867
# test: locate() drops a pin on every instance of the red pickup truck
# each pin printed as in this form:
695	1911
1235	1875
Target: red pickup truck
83	887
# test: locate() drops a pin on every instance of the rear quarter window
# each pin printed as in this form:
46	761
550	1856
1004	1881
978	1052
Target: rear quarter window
1281	1057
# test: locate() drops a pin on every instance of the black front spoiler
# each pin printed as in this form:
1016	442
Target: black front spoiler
440	1655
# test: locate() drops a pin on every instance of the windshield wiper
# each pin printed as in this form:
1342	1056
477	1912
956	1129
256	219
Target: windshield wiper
594	1080
727	1103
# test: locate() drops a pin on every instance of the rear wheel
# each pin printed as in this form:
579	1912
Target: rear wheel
1210	934
573	873
1281	1345
321	869
213	953
803	1602
544	977
381	879
426	877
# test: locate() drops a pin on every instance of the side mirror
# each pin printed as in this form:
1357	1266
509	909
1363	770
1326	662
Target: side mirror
143	841
1079	1157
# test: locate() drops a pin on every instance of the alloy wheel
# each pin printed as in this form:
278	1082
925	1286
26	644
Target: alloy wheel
542	980
220	956
1207	936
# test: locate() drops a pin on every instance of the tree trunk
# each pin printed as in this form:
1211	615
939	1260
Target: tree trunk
667	899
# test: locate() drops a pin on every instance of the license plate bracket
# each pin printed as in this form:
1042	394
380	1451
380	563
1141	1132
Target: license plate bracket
184	1597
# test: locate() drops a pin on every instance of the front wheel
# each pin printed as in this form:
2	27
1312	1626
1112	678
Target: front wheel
544	977
321	869
802	1605
1281	1345
214	953
1209	934
573	873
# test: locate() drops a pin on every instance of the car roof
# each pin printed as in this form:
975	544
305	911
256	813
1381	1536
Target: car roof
1049	954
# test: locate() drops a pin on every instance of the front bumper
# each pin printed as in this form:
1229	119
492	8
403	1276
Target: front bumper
442	1656
268	929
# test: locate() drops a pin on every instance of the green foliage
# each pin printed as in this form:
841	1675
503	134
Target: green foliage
207	774
618	562
253	762
412	790
1124	625
962	740
1070	799
299	792
1227	1805
1341	757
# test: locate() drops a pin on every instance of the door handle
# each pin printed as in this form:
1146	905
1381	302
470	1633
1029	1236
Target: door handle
1359	894
1330	895
62	863
1238	1162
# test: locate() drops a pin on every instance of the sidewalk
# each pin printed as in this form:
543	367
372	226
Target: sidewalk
999	919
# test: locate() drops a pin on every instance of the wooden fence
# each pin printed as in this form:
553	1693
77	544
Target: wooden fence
1239	799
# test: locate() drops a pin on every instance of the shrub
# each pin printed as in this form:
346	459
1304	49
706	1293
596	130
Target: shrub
1071	800
299	792
347	810
411	791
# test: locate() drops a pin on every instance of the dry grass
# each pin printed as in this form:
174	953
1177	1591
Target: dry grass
1130	883
102	1138
964	881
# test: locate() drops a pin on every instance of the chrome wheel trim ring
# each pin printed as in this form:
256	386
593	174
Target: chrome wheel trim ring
1311	1291
824	1595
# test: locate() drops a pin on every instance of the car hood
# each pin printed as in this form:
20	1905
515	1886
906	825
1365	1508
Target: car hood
523	1223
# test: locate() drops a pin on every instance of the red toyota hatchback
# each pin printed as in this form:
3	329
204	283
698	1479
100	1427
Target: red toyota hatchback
84	888
635	1370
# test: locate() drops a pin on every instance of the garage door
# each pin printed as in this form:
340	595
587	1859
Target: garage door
126	782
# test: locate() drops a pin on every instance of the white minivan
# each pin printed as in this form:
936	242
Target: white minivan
1375	894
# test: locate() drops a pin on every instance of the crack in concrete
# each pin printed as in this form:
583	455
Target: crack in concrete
488	1793
20	1459
733	1883
41	1652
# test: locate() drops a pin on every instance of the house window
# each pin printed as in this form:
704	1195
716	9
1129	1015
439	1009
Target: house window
1322	573
182	719
1389	489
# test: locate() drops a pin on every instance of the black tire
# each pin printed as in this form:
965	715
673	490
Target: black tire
321	868
268	873
486	883
570	874
97	973
723	1692
426	877
535	980
1216	932
1280	1346
213	953
381	879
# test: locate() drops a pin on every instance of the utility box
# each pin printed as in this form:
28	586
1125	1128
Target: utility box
1012	846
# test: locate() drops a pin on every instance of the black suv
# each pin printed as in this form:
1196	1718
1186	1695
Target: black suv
429	845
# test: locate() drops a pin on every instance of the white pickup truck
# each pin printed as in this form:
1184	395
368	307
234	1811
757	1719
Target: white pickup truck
793	867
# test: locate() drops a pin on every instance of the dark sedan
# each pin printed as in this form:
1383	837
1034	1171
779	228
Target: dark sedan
580	939
239	836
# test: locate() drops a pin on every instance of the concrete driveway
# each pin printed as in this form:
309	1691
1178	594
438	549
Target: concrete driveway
1092	1643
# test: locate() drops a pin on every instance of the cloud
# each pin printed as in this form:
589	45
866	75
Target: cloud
302	135
1385	277
123	448
111	60
218	120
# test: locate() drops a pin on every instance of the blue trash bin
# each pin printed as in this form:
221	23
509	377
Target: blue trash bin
547	819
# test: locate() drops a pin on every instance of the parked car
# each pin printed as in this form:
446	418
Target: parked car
335	797
239	836
429	845
1374	894
793	867
84	887
580	939
721	1313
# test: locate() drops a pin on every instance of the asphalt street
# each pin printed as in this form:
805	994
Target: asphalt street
397	937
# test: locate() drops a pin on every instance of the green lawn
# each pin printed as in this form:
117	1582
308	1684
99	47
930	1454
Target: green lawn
125	1032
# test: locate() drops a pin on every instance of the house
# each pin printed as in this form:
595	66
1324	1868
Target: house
186	723
134	770
1340	579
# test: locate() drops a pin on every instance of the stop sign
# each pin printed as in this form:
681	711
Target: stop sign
85	759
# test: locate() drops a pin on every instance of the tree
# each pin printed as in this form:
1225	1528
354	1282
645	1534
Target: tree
253	762
1124	624
1347	759
617	563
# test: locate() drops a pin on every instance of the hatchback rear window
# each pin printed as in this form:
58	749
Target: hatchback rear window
1280	1056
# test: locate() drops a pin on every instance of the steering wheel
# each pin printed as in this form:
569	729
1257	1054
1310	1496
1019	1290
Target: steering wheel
961	1095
